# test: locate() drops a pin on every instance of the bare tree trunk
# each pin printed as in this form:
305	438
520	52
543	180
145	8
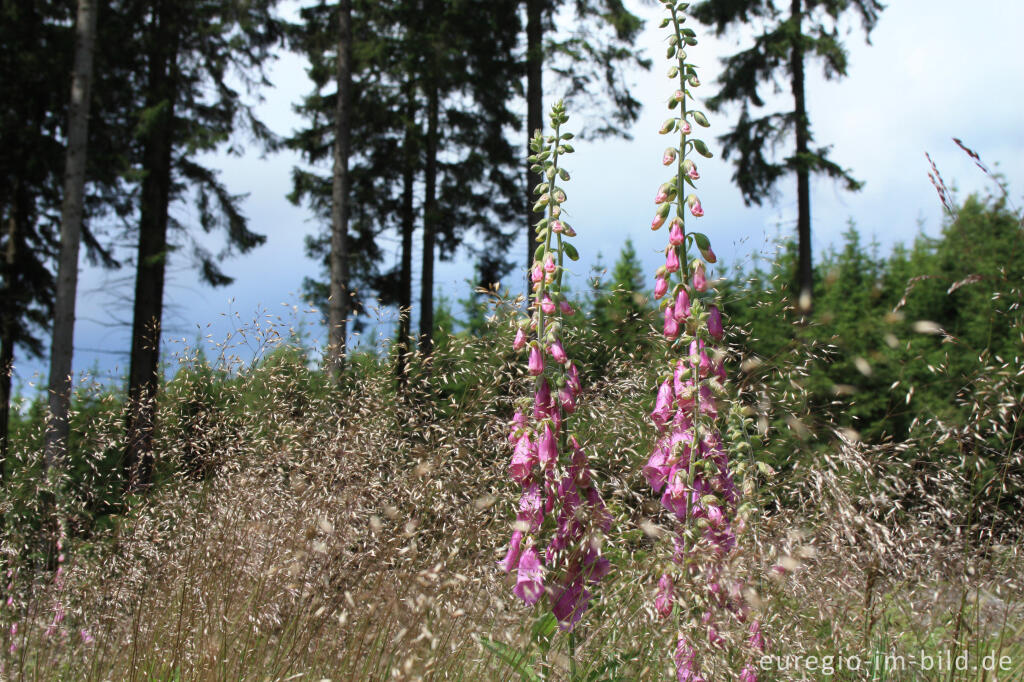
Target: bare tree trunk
429	227
338	305
7	342
407	226
151	259
805	272
534	114
62	344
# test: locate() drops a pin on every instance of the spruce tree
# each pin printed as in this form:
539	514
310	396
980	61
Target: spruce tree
786	38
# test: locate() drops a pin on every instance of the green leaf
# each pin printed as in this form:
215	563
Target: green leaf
702	148
570	251
568	148
702	241
516	660
665	22
542	631
700	118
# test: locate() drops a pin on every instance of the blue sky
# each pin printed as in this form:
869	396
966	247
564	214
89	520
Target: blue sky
935	69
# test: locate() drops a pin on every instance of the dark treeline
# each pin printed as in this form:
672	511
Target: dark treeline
416	124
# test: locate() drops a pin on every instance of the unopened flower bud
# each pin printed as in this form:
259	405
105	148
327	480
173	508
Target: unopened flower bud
700	282
660	287
675	233
536	363
520	339
669	156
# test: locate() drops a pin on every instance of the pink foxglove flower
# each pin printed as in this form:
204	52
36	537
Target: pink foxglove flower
523	459
549	265
715	323
669	157
520	341
671	328
696	209
547	451
537	274
558	353
663	405
547	305
658	221
681	311
672	260
660	287
684	127
700	282
556	226
663	600
529	577
536	364
566	309
515	549
675	233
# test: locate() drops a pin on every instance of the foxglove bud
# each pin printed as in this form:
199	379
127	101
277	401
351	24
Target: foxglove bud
660	287
549	264
547	305
690	168
556	226
684	127
537	274
696	209
669	156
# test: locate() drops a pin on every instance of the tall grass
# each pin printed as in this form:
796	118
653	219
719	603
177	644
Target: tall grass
302	531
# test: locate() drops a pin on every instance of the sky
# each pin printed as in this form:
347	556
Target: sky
934	70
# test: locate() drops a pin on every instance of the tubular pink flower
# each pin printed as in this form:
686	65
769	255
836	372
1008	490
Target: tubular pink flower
520	340
756	640
696	209
672	260
536	364
663	600
518	424
566	309
556	226
661	197
523	459
549	264
715	323
660	287
558	353
658	221
537	274
684	127
529	577
748	674
511	559
573	377
671	328
700	282
531	507
669	157
547	451
567	400
675	233
547	305
692	173
663	404
681	311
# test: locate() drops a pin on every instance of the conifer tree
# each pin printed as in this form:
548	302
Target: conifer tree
786	38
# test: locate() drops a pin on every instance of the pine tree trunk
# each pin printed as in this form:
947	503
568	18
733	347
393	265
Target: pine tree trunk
62	344
429	227
534	113
338	306
407	226
805	273
7	341
152	258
